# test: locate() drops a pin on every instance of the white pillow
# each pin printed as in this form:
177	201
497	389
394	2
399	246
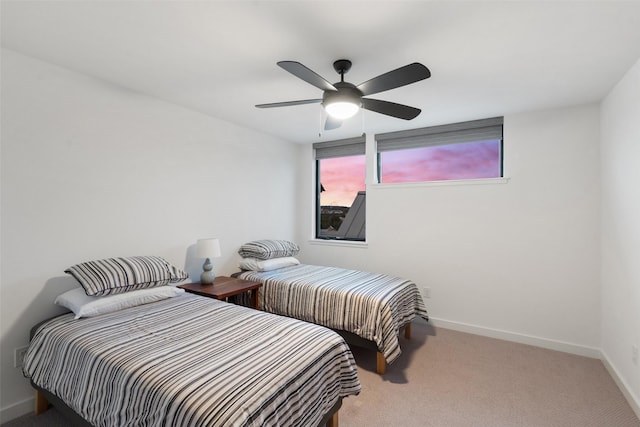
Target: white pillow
255	264
83	305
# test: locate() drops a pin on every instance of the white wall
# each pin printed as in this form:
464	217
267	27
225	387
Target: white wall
518	260
91	170
620	148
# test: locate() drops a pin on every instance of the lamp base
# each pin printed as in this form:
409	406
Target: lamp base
207	277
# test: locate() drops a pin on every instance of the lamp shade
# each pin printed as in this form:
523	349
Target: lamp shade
208	248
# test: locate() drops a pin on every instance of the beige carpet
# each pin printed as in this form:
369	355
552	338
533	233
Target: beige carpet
446	378
454	379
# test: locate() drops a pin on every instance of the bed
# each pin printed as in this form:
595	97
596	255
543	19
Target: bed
367	309
190	361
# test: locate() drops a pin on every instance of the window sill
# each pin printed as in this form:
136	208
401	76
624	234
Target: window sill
343	243
482	181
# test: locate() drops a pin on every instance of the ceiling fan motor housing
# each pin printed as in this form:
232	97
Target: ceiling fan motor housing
346	92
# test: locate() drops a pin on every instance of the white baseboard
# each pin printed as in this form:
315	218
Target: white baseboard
634	401
566	347
16	410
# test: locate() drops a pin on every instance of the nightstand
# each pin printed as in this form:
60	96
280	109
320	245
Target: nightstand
224	287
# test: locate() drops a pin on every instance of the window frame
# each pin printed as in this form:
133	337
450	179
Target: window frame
335	149
455	133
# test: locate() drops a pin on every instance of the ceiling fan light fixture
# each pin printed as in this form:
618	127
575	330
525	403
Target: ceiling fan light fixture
342	109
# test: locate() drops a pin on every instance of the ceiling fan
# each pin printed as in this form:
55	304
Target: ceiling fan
342	100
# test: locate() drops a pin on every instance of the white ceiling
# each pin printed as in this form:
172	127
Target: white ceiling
219	58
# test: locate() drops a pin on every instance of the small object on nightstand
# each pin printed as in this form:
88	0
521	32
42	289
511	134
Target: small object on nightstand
208	248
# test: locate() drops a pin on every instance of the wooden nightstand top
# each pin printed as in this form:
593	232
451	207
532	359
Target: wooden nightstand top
222	287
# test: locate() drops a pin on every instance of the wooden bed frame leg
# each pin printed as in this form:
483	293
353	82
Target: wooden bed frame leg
41	403
333	421
381	365
407	331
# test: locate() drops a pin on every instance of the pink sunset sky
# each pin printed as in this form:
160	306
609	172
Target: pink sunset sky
343	177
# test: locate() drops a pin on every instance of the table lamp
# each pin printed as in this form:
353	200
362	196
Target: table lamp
208	248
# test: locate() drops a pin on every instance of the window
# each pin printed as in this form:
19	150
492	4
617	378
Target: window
468	150
340	189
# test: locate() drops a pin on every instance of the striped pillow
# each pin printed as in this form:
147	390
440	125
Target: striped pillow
267	249
118	275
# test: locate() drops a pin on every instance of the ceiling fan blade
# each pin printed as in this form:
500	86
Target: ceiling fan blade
289	103
390	108
302	72
399	77
332	123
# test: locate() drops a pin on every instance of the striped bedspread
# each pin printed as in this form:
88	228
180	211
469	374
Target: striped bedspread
192	361
373	306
